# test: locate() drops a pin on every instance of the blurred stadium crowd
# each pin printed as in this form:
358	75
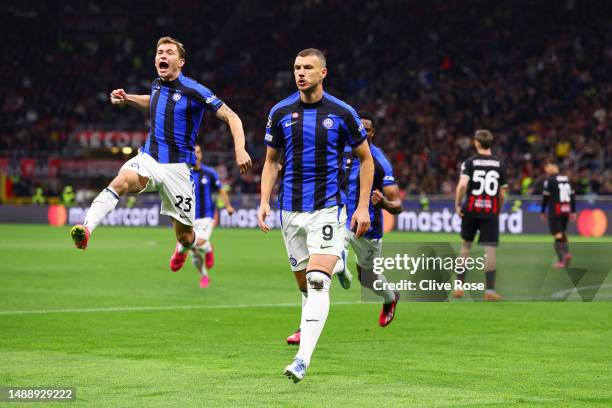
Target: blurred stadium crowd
537	73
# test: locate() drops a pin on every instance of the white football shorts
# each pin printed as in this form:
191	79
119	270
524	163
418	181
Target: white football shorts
319	232
173	183
366	249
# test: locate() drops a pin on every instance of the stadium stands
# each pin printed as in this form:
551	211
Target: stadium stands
535	73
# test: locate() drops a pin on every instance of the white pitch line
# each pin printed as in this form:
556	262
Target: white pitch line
562	294
155	308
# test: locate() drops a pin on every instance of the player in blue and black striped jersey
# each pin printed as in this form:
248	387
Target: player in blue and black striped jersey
206	183
176	105
385	195
312	128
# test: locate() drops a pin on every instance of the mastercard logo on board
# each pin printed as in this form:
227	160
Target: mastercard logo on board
592	223
57	216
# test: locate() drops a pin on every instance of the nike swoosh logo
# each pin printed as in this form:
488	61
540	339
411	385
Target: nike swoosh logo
289	124
182	216
325	247
311	320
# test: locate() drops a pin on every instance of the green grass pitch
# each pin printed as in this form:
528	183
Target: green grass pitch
125	331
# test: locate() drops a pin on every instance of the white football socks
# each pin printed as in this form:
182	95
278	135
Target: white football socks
103	204
314	313
304	300
387	294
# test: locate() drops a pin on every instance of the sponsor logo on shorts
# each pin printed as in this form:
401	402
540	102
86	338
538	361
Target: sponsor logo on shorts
134	165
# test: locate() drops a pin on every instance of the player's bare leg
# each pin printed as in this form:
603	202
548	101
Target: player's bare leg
464	252
490	268
127	181
186	237
300	278
315	311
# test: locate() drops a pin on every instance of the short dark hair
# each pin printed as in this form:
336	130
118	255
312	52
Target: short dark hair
179	45
484	137
313	51
367	116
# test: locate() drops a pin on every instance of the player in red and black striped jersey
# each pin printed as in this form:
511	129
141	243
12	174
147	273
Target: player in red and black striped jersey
483	183
559	198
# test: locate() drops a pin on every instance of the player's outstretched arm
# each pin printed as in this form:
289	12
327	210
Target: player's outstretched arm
268	179
119	97
361	216
243	160
460	192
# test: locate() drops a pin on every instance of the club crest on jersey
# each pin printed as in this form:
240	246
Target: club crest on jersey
295	115
328	123
176	97
204	180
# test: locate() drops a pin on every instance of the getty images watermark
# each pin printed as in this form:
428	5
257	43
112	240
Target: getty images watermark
412	264
526	271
